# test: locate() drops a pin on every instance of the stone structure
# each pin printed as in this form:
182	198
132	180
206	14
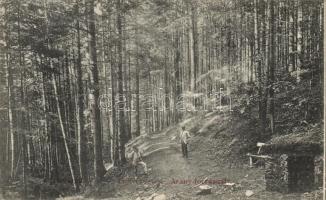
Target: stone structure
291	167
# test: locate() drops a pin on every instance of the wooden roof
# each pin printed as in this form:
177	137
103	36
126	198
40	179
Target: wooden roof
299	148
304	143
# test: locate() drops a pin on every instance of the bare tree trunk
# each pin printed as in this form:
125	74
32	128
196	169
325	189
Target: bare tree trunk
114	140
272	65
195	43
258	58
122	131
137	90
23	106
166	89
82	139
98	160
11	154
10	119
178	87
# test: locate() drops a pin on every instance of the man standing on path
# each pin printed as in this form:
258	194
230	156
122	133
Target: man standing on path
184	135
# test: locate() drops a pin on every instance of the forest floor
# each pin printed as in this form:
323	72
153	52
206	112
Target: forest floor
217	152
174	177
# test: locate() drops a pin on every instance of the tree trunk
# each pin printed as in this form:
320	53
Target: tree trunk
137	91
9	79
258	59
82	139
23	106
178	87
195	44
121	107
272	65
12	147
98	160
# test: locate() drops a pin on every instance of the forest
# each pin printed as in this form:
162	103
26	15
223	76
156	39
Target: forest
80	79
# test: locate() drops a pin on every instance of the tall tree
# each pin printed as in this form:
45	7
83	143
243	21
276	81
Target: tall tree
96	119
137	87
122	131
82	139
272	64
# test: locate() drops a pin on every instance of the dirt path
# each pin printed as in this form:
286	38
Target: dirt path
170	163
177	177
